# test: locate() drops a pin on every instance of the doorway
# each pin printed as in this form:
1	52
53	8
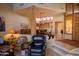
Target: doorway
59	27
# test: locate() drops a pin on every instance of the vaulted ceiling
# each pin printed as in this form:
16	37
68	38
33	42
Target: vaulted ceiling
41	10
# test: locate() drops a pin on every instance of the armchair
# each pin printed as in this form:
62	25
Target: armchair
38	46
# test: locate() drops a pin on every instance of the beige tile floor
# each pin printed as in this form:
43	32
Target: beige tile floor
59	37
49	52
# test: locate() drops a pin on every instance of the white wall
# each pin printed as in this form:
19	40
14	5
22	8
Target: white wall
12	20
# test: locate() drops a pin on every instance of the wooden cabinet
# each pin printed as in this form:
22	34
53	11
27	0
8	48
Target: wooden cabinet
25	31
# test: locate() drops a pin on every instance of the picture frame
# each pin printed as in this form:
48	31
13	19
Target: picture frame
2	25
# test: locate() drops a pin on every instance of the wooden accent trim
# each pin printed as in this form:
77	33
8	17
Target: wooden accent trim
58	22
72	19
68	33
56	28
65	19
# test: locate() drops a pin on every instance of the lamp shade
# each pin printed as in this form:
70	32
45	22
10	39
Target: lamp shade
11	31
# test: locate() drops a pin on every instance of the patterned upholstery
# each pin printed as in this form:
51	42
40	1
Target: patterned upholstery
1	41
37	45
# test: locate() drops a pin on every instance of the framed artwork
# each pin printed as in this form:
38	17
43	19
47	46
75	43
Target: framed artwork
24	25
25	29
2	25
